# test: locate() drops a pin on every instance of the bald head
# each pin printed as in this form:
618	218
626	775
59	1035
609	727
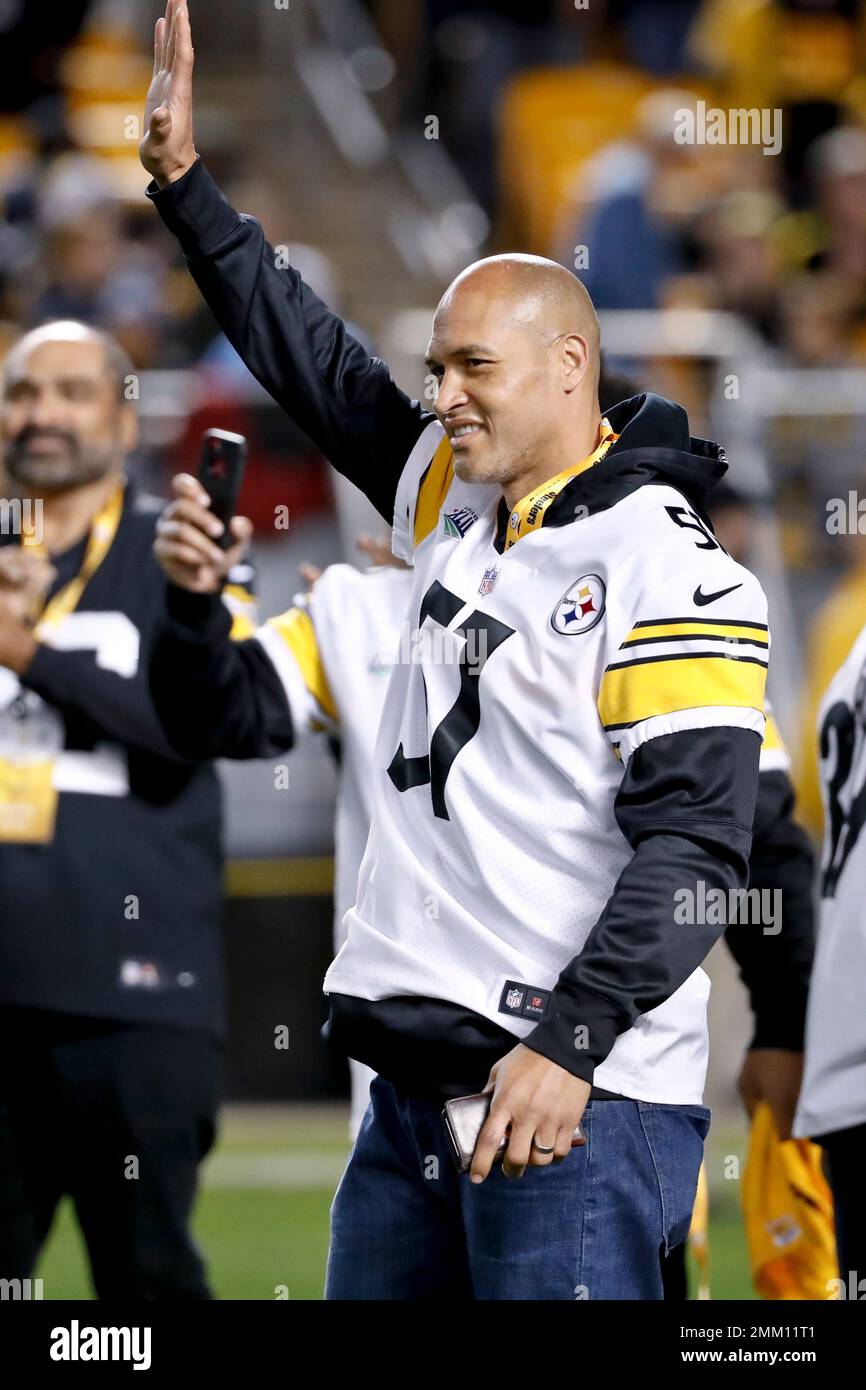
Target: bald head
533	292
118	366
516	355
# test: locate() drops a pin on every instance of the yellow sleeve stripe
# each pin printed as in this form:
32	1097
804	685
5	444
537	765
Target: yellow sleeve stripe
236	593
297	631
690	627
639	690
242	627
242	606
432	491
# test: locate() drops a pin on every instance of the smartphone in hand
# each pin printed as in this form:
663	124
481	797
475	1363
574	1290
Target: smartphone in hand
464	1118
220	472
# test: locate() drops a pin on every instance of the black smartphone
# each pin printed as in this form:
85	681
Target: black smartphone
220	473
464	1118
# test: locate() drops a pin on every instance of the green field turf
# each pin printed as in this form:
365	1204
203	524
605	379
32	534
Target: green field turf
262	1217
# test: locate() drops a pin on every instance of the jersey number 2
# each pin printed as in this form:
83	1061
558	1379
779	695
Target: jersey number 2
461	722
839	736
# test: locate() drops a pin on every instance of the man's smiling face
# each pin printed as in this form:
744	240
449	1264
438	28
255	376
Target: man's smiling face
497	383
515	352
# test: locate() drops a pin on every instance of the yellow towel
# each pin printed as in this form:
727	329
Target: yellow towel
788	1211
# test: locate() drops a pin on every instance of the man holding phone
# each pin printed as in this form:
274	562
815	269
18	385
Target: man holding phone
571	742
110	848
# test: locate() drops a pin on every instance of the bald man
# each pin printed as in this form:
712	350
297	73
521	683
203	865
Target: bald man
110	857
566	768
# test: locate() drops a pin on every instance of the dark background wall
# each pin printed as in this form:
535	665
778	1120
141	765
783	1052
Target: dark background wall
277	951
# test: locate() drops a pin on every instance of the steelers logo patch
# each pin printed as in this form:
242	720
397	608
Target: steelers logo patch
580	608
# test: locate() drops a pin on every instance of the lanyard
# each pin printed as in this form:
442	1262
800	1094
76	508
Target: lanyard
528	514
102	533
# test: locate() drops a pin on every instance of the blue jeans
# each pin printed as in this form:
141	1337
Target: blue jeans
404	1225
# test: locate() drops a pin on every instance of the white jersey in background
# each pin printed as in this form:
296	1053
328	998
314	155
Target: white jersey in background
833	1095
334	653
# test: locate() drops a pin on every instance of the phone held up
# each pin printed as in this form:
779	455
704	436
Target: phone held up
220	472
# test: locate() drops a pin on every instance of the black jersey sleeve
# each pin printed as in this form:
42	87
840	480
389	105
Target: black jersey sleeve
215	697
116	707
301	352
686	806
775	957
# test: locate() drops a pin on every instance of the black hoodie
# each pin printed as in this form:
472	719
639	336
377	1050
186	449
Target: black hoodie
221	698
654	446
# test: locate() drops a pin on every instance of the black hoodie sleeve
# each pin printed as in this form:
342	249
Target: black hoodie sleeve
114	707
302	353
214	697
686	806
775	964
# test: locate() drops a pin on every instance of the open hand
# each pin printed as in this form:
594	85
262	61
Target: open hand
167	150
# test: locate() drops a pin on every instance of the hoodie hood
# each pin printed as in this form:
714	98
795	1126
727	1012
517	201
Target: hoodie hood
654	436
654	446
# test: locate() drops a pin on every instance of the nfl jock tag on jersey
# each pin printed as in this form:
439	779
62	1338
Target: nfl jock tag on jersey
523	1000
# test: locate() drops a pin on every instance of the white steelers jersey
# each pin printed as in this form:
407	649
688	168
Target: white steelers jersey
334	652
833	1094
494	846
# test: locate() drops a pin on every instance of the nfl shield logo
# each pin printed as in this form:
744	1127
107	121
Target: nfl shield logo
514	998
490	577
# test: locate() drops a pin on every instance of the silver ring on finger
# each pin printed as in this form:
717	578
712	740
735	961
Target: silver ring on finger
542	1148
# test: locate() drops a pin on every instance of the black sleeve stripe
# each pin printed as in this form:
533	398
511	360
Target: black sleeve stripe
684	656
702	621
698	637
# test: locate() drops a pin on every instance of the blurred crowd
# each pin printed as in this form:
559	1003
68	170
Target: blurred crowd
78	240
779	239
563	115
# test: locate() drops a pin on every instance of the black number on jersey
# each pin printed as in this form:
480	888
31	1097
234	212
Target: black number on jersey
461	722
839	738
678	516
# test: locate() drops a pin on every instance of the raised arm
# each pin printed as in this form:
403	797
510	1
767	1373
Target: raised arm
301	352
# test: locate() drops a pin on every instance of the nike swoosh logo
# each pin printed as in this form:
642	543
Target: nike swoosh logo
701	599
